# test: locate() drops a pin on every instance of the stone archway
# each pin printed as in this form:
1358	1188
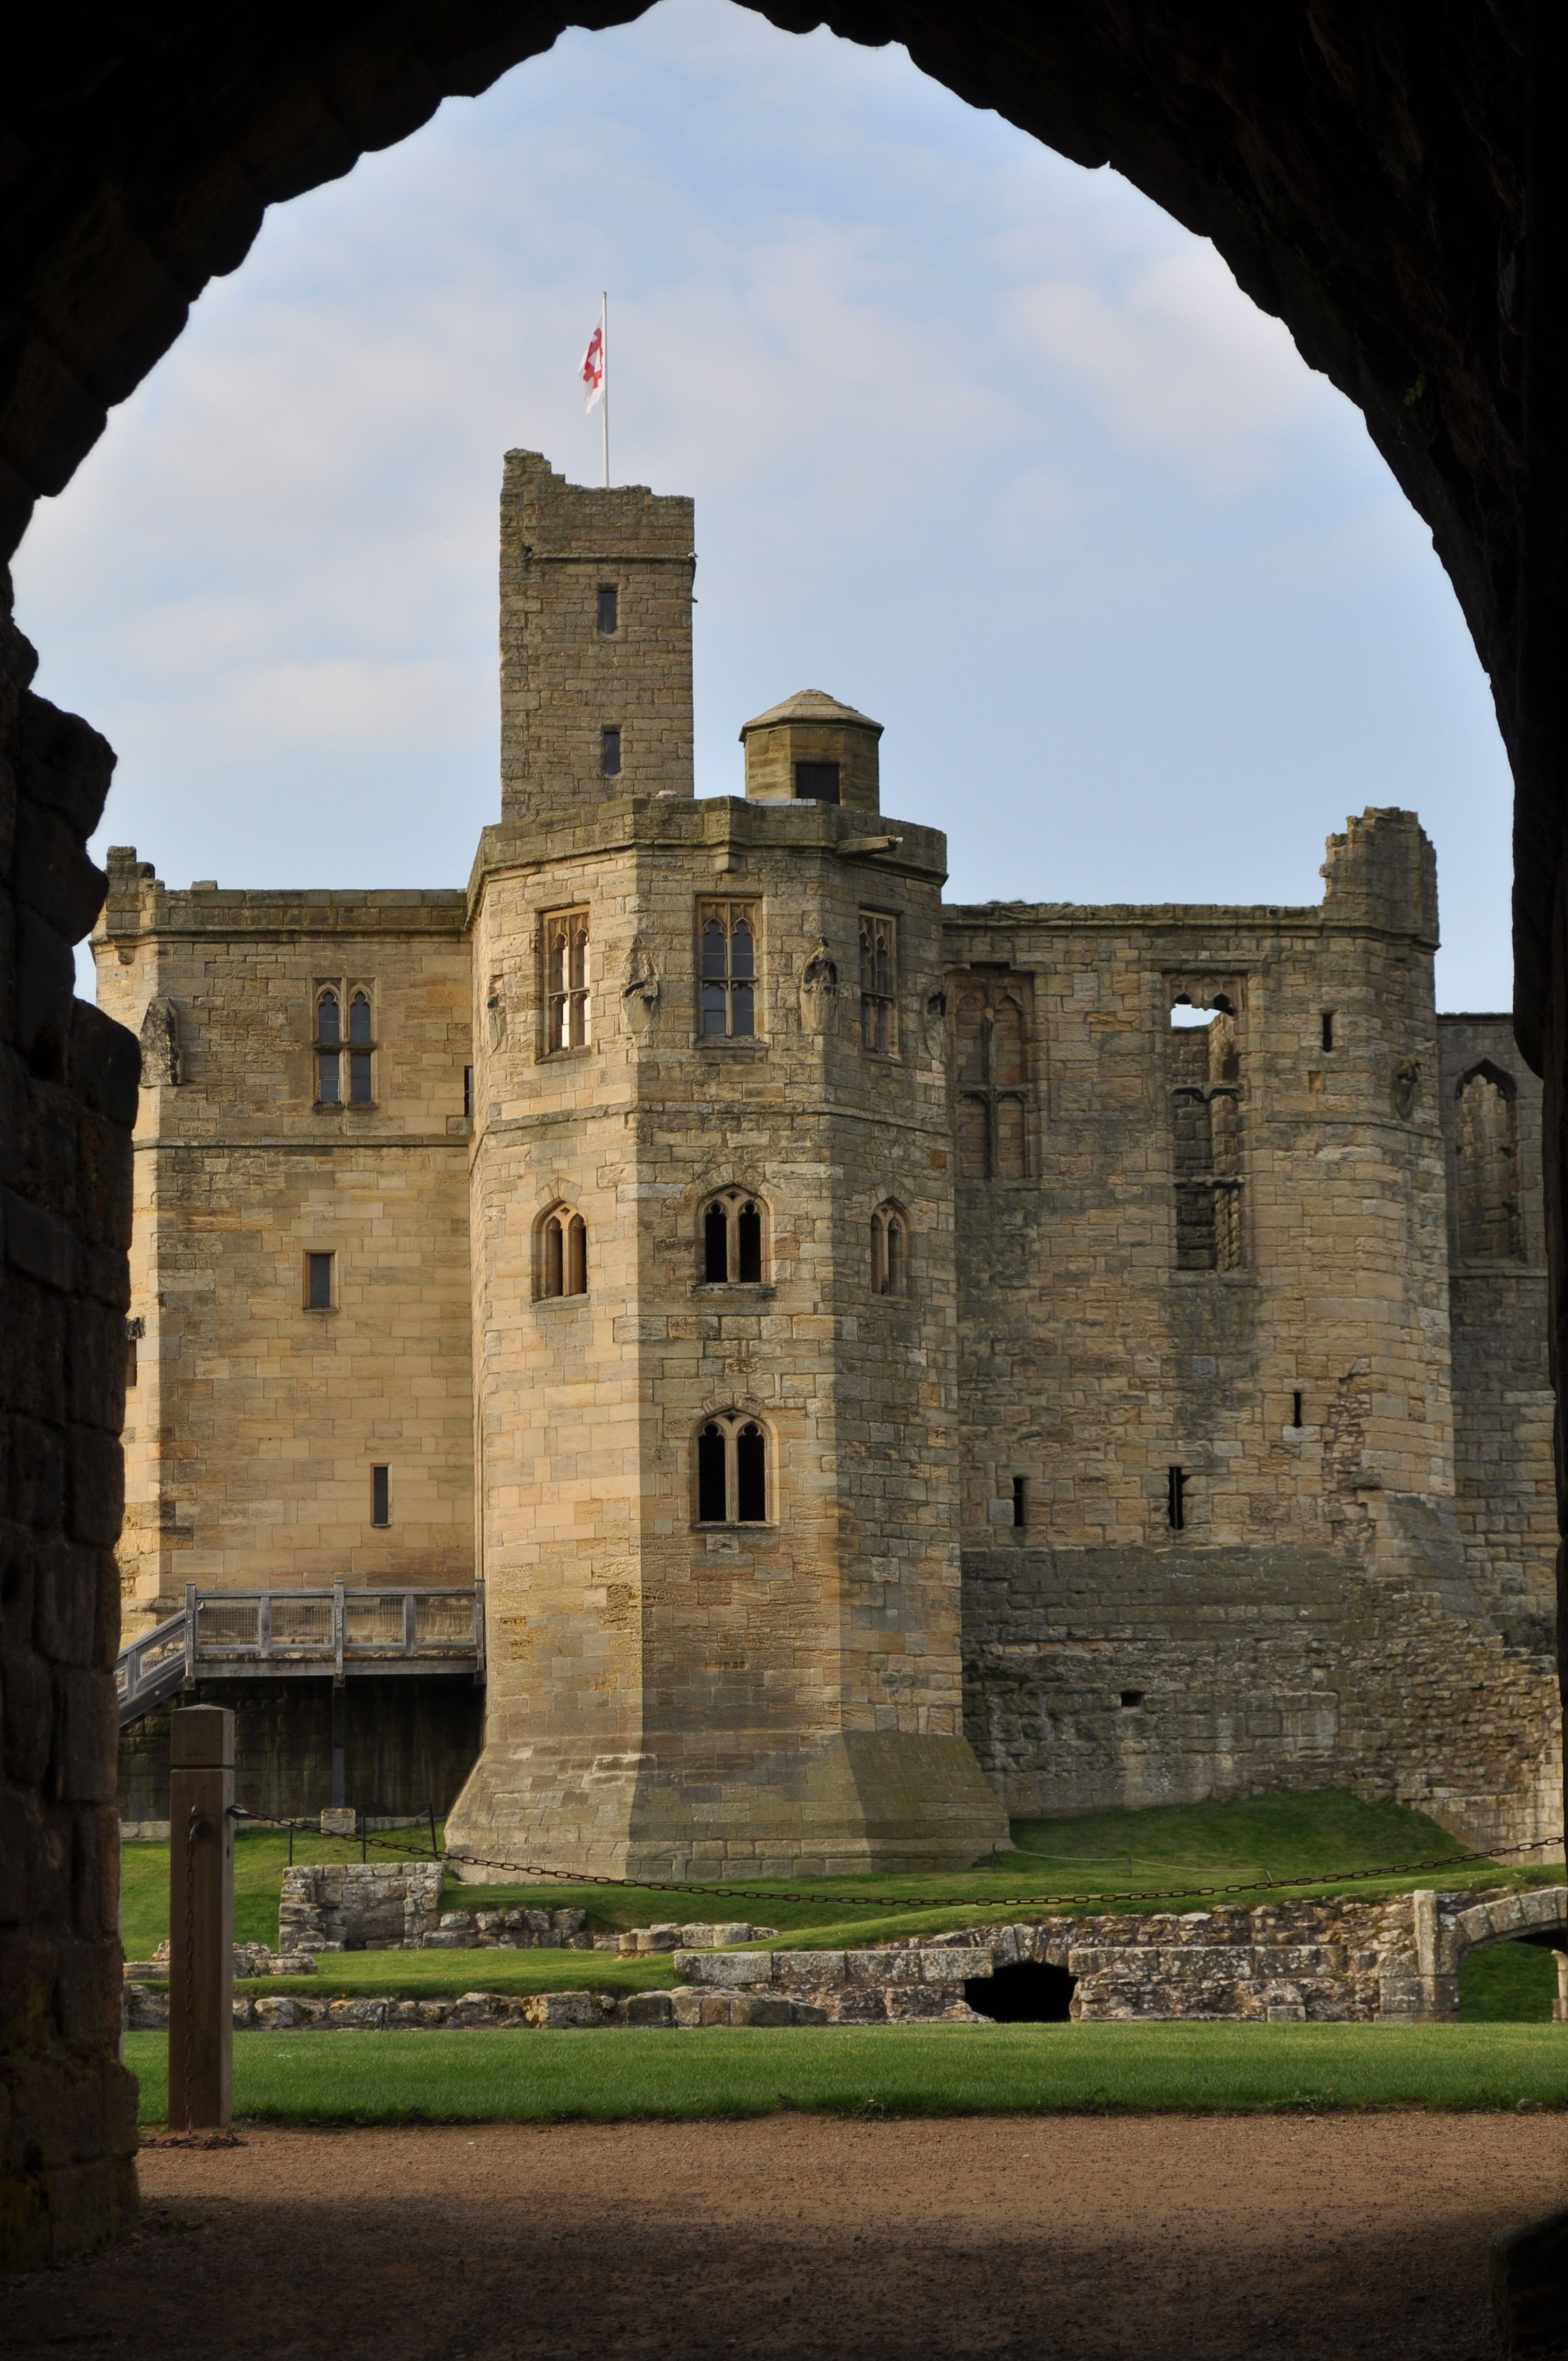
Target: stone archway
1393	189
1445	1932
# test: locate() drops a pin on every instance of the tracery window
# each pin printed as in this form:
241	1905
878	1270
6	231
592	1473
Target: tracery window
332	1047
732	1240
731	1471
990	1026
879	983
566	980
1485	1150
561	1254
890	1251
727	961
1205	1075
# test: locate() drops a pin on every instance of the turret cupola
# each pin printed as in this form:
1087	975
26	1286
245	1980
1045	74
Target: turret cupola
812	749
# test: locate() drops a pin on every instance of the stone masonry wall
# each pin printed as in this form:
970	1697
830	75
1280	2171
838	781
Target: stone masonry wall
254	1419
68	1084
1313	1618
1502	1388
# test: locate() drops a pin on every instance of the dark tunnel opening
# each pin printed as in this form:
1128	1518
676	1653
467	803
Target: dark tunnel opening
1024	1994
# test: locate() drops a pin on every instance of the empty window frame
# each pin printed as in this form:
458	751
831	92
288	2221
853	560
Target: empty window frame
135	1331
567	970
1020	1501
320	1273
890	1251
879	983
731	1241
726	969
1487	1155
817	783
336	1042
380	1497
1205	1085
608	607
609	753
561	1255
1176	1482
732	1472
993	1068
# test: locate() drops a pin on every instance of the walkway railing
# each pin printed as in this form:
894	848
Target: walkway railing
273	1634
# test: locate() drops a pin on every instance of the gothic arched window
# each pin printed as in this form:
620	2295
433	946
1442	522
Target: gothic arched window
1486	1153
731	1471
561	1254
890	1251
732	1239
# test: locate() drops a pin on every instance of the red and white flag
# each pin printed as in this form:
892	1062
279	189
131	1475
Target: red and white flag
593	367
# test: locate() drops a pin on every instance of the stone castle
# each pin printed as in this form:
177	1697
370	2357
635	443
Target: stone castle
889	1364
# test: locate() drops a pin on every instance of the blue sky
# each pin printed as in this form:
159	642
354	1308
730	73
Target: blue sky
979	442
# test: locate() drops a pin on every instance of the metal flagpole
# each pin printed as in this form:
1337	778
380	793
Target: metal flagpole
604	363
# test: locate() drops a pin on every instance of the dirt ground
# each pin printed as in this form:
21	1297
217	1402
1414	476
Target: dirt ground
1074	2238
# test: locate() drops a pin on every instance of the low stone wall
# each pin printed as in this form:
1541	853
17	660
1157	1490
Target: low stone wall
1335	1963
396	1906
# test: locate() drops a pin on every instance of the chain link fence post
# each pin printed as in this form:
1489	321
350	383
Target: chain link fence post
200	1919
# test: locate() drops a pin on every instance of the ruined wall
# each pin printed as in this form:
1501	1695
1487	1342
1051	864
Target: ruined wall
1506	1503
1212	1538
255	1417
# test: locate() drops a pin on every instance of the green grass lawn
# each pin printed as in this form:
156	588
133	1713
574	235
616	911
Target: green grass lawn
536	2077
1114	1860
1507	1983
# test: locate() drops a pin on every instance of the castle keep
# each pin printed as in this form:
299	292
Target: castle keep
887	1364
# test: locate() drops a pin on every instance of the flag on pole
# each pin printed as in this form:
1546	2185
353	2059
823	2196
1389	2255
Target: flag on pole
593	367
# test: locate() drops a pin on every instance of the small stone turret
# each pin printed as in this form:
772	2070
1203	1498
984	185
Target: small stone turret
811	749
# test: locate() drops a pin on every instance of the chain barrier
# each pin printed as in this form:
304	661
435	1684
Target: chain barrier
534	1872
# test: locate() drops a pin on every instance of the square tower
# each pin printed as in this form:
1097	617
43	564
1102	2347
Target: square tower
596	599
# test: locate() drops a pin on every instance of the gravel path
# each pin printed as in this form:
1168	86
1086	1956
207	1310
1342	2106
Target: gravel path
1061	2239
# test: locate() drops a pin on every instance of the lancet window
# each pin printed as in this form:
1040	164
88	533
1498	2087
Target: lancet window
890	1251
339	1044
732	1481
566	980
879	983
561	1254
1205	1086
992	1026
727	961
732	1240
1486	1153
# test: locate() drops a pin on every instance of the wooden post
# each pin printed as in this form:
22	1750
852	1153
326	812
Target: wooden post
201	1919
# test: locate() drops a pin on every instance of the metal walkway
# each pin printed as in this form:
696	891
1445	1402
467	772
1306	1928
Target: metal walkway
283	1634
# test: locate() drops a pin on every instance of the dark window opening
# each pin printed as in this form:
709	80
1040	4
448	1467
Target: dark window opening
732	1242
1025	1994
379	1512
715	1246
359	1078
329	1090
710	1499
318	1294
1328	1028
609	753
467	1090
749	1225
609	612
816	782
1175	1499
1296	1418
130	1363
563	1255
1020	1499
750	1476
1131	1699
